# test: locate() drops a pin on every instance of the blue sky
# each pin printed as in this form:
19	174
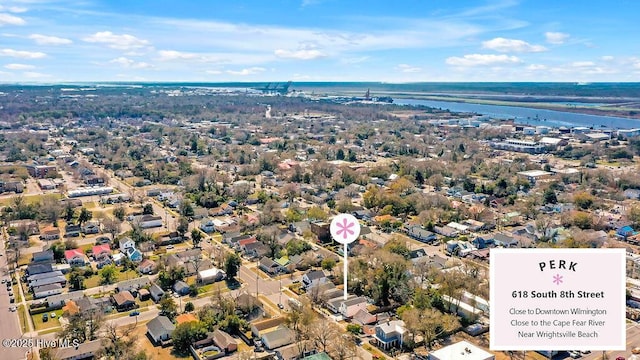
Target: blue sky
318	40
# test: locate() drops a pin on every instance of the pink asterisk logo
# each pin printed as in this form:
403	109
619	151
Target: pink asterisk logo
345	229
557	279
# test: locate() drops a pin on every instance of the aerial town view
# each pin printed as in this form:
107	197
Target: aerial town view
172	175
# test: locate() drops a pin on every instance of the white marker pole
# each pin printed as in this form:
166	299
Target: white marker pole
345	229
346	268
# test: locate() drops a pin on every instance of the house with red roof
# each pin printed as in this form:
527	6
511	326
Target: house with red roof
75	257
100	252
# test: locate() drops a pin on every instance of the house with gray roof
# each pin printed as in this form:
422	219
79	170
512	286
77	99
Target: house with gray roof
133	284
278	338
160	330
85	350
156	292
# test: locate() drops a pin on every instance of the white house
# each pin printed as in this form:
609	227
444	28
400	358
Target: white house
46	290
149	221
313	278
391	334
126	243
350	307
209	276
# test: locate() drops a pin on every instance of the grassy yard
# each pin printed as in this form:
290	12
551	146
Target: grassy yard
48	331
94	281
22	315
30	199
50	324
24	259
16	293
210	289
145	304
86	247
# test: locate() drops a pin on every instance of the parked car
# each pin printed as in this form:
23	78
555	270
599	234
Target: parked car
45	317
134	313
12	300
53	315
280	306
169	247
102	240
13	308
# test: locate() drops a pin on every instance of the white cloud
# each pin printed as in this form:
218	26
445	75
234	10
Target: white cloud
354	60
482	60
13	9
19	67
118	42
582	64
7	19
607	58
213	72
255	38
130	64
511	45
247	71
556	38
406	68
170	55
22	54
304	54
34	75
536	67
49	40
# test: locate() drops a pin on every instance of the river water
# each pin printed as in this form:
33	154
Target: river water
529	116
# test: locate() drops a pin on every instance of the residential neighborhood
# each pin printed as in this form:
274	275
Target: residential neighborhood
207	237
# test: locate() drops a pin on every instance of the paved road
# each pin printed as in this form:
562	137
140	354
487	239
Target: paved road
633	340
10	324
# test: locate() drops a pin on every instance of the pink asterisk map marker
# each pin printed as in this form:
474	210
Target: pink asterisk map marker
557	279
344	228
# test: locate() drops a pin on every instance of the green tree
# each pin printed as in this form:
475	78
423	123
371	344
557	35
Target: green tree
549	196
187	333
108	275
119	212
582	220
58	249
232	265
316	213
69	213
76	279
188	307
583	199
85	215
196	237
292	215
168	307
183	226
147	209
355	329
186	208
328	264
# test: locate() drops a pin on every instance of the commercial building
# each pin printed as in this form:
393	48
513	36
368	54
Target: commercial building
90	191
462	350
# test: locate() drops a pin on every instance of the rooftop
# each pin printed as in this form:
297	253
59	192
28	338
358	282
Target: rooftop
462	350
